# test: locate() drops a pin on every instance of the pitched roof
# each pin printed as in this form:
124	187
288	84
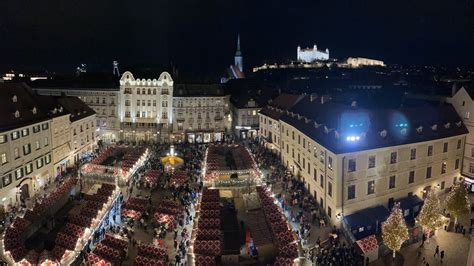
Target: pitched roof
76	107
469	89
18	97
344	128
199	90
84	82
281	103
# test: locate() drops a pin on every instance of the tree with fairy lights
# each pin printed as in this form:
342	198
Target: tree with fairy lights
430	216
394	230
457	202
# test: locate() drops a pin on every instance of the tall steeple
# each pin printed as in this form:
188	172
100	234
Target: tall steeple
238	60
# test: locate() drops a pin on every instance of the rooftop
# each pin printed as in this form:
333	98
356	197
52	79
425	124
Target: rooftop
83	82
192	90
348	124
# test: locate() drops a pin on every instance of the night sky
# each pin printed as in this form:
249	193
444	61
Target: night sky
199	36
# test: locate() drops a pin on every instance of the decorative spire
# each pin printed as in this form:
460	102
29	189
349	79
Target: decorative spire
238	53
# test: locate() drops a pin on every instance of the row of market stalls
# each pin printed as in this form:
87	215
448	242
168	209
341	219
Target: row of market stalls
363	227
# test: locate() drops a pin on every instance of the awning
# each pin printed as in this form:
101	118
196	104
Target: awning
367	221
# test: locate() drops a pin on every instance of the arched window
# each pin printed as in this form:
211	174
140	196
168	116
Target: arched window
149	91
138	90
154	91
143	91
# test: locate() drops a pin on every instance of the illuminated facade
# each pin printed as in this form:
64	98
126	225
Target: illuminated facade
201	113
309	55
353	158
360	61
146	107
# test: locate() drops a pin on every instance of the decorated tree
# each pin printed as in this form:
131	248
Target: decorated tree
430	216
394	230
457	202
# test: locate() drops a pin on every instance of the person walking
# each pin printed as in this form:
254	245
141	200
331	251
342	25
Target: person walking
436	251
442	255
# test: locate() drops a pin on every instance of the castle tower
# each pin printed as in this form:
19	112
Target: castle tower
238	60
116	71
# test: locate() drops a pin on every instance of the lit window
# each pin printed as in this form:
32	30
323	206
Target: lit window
391	183
371	161
3	139
413	154
29	168
443	168
3	158
330	162
393	157
19	173
371	187
15	135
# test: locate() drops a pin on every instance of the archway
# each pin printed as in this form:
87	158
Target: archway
24	192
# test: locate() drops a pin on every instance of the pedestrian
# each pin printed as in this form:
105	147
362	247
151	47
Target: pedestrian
423	239
442	255
436	251
423	261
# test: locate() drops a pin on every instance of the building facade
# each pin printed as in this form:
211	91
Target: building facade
269	119
463	102
354	158
99	93
201	113
146	107
309	55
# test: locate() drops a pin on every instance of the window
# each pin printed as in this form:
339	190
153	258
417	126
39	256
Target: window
39	163
370	187
443	168
411	177
459	144
330	189
329	211
371	161
138	114
48	159
16	153
127	102
321	181
143	91
38	145
149	91
143	114
138	90
299	140
456	164
3	158
351	192
430	150
321	155
46	143
127	113
352	165
165	115
138	102
428	172
29	168
26	149
329	162
315	175
304	143
466	115
471	168
15	135
393	157
7	180
445	147
18	173
36	129
149	102
25	132
45	126
391	182
443	184
3	139
103	100
413	154
154	102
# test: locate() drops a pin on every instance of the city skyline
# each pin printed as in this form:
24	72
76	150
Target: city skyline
200	38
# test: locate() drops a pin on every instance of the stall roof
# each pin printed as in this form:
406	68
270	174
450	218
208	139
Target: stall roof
364	217
410	202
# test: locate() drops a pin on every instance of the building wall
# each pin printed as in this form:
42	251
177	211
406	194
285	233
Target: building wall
105	102
327	175
146	107
269	129
464	106
83	137
245	121
360	61
61	143
16	171
309	55
209	114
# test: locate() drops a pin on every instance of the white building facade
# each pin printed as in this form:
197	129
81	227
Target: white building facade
146	107
309	55
345	178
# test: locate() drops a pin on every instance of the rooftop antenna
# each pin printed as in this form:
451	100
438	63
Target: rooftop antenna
116	69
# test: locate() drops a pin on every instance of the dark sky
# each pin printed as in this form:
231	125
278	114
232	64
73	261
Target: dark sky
199	35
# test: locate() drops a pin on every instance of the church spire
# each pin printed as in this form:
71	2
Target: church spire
238	60
238	53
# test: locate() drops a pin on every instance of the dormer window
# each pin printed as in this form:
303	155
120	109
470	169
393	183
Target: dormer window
419	129
33	110
14	99
383	133
17	114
